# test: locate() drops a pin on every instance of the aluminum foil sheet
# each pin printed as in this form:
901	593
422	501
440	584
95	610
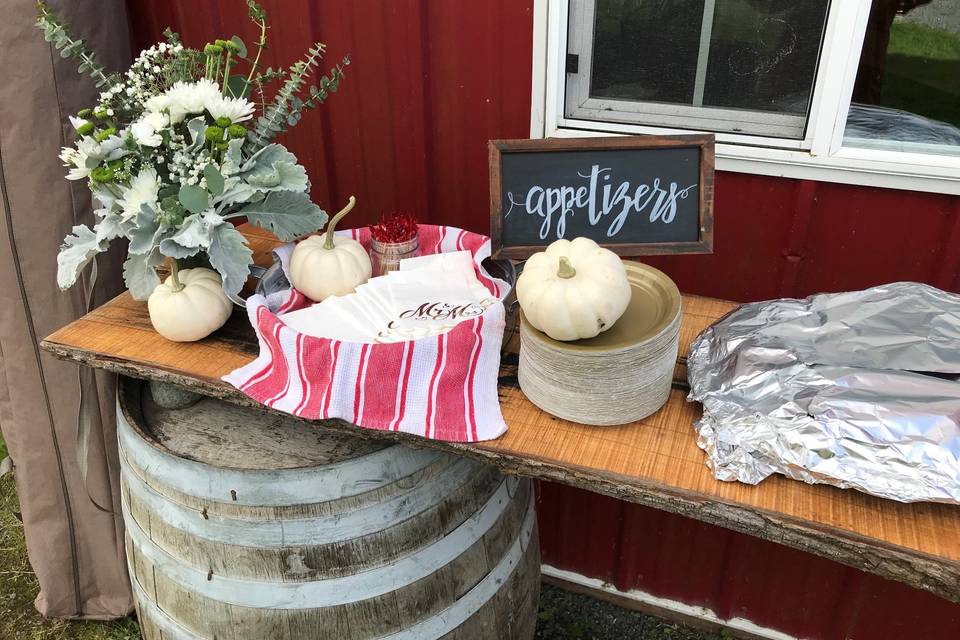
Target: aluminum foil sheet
857	390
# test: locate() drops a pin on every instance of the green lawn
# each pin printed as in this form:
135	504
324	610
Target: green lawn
922	75
19	619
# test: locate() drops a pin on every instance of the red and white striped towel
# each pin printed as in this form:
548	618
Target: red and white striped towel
442	387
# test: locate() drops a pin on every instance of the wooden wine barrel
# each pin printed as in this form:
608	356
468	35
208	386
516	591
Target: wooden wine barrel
252	526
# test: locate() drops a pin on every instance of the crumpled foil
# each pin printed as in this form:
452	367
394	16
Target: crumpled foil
857	390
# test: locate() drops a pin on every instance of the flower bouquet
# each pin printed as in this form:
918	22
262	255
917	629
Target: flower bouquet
177	147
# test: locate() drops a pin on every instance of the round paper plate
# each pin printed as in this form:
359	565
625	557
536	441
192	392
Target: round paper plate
653	308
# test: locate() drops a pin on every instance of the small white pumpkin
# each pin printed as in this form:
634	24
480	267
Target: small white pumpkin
573	290
329	265
192	309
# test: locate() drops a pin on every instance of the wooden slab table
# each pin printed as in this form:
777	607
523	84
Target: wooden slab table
654	462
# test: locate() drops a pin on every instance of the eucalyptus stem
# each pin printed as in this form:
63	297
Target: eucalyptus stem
174	275
260	45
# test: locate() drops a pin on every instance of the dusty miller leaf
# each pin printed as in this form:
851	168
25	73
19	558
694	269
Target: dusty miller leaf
197	127
286	214
282	176
140	276
232	159
75	252
267	157
143	233
111	226
230	256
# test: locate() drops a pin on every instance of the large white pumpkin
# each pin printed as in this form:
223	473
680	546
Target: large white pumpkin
192	312
329	265
573	290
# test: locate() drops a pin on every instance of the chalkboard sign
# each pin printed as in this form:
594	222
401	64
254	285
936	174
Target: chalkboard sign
635	195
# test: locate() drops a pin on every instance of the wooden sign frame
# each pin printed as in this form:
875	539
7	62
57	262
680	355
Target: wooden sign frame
705	142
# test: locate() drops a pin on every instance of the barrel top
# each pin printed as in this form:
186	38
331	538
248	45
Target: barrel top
225	435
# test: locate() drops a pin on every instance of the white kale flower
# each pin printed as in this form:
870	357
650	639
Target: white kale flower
143	189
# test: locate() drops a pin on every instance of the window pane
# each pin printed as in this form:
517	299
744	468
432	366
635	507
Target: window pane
759	55
907	93
763	54
646	50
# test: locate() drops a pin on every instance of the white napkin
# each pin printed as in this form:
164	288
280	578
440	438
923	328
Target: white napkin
427	296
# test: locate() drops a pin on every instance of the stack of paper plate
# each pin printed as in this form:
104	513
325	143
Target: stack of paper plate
620	376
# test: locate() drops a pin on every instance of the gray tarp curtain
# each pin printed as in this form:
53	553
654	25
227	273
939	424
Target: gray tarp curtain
75	549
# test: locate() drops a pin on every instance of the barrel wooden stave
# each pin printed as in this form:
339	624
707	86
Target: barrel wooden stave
300	562
191	583
371	617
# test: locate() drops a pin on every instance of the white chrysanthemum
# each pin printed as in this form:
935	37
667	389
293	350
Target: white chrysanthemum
145	131
77	122
157	104
184	98
90	153
143	189
145	135
157	120
237	109
76	162
111	148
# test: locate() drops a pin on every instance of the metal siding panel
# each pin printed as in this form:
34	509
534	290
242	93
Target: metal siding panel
860	237
752	222
431	82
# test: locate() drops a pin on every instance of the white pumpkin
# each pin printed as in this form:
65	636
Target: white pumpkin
193	311
329	265
573	290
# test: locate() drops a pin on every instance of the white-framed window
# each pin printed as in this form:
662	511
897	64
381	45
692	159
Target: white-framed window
819	89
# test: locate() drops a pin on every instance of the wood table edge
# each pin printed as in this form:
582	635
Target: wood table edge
914	568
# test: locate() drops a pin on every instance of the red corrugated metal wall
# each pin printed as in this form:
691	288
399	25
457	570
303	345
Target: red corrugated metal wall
430	82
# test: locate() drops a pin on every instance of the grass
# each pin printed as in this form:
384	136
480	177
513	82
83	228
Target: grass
923	71
19	620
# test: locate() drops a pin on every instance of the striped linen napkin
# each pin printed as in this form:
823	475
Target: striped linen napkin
442	387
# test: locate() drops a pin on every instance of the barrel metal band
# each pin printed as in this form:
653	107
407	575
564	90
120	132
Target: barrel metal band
295	532
334	591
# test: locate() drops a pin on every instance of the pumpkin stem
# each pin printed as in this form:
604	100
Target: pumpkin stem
328	242
174	271
566	269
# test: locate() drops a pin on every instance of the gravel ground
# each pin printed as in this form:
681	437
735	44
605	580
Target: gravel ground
940	14
569	616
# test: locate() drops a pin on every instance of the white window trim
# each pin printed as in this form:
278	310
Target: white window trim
819	156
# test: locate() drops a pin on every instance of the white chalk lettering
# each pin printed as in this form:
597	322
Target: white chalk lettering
600	198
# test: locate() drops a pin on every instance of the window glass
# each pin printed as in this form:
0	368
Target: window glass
758	55
763	55
907	92
646	51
